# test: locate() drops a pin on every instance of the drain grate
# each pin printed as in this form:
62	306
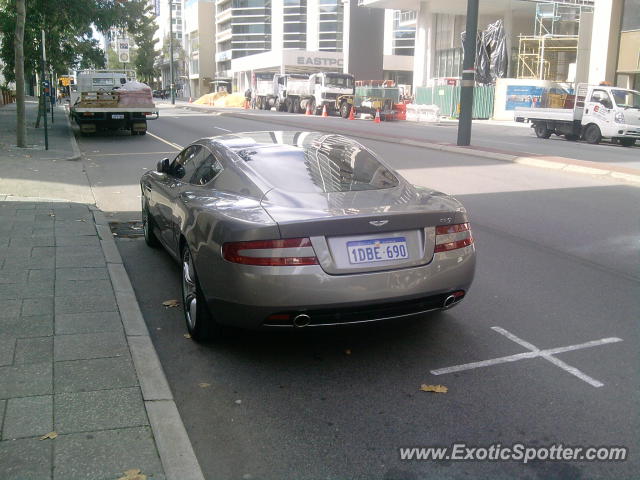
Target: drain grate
126	229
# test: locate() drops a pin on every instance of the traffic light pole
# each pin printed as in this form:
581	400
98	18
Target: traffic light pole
468	75
173	92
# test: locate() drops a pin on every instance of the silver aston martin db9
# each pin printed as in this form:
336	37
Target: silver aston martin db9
302	229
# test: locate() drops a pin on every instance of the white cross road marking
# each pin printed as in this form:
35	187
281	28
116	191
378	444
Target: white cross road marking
534	352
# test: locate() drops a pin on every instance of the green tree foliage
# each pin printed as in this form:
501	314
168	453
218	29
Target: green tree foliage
69	34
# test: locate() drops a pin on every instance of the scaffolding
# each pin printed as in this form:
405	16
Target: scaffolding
549	53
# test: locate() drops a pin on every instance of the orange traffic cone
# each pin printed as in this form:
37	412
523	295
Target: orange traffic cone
376	119
190	100
308	112
324	111
352	113
246	104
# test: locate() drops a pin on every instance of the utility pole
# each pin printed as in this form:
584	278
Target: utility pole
44	90
171	87
468	75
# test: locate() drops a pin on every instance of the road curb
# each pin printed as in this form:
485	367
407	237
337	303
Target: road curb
172	441
571	165
74	143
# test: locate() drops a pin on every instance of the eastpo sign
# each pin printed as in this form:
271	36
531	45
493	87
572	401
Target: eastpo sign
319	61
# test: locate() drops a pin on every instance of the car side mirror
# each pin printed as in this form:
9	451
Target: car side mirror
163	166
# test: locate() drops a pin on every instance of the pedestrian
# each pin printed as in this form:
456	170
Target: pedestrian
247	95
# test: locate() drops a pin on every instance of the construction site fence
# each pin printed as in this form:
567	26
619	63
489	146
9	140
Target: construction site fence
447	98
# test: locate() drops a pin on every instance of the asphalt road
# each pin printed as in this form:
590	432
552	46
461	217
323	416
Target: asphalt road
558	258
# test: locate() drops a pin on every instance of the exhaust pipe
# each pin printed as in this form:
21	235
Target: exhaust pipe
450	300
301	320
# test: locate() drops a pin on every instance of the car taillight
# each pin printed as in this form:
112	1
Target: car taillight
452	237
285	252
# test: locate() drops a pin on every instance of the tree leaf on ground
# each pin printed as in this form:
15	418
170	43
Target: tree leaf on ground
347	351
50	435
133	474
204	385
171	303
186	335
434	388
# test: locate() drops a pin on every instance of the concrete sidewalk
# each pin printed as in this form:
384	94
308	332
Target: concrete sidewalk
82	392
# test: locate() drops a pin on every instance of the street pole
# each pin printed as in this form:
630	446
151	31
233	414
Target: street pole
173	95
468	75
44	98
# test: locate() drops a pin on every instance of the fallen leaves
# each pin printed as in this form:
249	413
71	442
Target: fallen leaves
171	303
204	385
50	435
347	351
186	335
133	474
434	388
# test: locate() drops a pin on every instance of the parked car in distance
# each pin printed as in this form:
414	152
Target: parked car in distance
279	230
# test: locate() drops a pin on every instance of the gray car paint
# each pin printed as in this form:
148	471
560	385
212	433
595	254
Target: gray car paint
239	205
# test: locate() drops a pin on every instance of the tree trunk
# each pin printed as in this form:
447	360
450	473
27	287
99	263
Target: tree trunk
21	119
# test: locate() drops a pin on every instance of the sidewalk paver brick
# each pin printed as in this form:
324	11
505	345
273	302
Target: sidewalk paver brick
26	459
34	350
84	346
106	455
26	380
25	416
20	327
82	273
94	374
99	410
97	322
86	304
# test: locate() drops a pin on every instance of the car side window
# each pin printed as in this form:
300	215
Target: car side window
602	97
184	164
207	170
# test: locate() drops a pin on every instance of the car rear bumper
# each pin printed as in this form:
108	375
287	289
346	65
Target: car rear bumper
245	296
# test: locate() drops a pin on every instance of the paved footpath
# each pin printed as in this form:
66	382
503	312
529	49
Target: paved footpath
82	392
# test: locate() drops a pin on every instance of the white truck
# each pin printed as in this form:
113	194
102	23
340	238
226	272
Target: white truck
111	100
599	111
295	92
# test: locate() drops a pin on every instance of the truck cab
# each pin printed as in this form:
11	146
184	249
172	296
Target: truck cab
609	112
328	86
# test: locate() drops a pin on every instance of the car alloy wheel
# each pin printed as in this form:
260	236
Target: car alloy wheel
200	323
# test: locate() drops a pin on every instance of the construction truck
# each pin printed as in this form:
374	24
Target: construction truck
111	100
594	113
370	97
297	93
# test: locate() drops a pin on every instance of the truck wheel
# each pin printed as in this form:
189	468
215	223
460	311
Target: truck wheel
542	131
627	142
296	106
592	134
344	110
290	105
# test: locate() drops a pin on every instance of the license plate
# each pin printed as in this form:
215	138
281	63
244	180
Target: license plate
377	250
117	116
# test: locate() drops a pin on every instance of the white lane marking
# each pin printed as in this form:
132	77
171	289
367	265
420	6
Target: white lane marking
171	144
223	129
534	352
518	340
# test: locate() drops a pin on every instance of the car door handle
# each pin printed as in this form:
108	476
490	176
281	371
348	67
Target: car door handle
147	187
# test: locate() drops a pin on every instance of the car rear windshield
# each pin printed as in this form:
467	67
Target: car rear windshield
321	166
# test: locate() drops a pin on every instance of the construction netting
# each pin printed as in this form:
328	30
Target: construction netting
491	53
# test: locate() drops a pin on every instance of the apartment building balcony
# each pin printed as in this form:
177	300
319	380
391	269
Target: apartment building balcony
224	35
224	15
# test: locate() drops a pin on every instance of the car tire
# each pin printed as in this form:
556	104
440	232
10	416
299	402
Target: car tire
541	130
627	142
200	323
592	134
345	108
148	225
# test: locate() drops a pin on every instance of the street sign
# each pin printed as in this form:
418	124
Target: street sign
123	50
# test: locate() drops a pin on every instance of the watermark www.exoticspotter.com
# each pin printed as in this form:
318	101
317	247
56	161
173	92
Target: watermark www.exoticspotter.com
517	452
